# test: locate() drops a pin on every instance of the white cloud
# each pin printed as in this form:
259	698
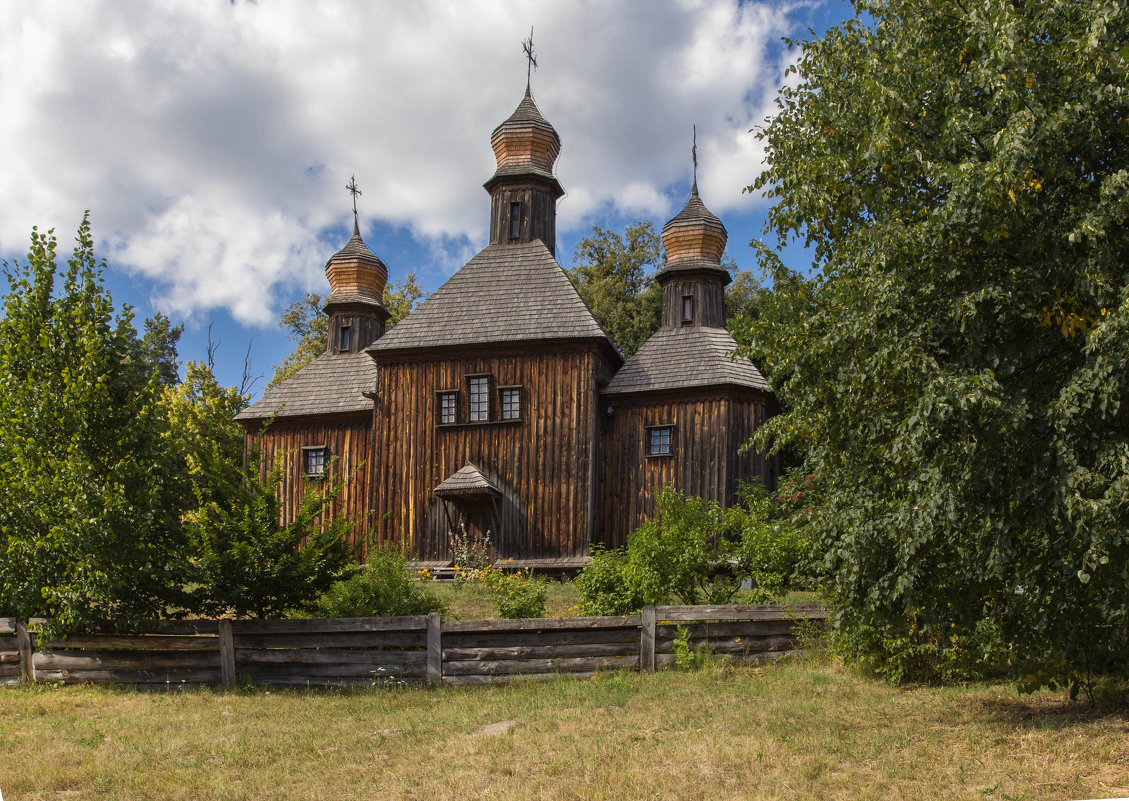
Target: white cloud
213	140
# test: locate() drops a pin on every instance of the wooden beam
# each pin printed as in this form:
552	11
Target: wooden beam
647	639
23	642
227	654
434	649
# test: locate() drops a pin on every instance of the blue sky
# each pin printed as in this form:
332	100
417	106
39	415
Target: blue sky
212	140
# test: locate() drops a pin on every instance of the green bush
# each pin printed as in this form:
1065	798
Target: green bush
517	594
604	587
386	587
695	551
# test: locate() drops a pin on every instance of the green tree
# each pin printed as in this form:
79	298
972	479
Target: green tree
159	345
89	499
308	326
615	276
955	373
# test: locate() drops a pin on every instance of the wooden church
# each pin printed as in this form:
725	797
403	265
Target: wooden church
501	405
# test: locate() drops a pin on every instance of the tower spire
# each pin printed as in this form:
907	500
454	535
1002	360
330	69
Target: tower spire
355	190
694	158
527	48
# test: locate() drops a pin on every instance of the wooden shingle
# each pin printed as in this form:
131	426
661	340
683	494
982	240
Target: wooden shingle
330	384
686	358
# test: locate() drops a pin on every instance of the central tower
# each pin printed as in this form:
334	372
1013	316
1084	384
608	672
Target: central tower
523	190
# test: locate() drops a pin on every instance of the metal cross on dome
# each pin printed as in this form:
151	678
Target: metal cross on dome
527	48
694	158
355	190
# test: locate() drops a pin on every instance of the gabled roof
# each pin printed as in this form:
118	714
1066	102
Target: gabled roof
685	358
330	384
467	481
507	293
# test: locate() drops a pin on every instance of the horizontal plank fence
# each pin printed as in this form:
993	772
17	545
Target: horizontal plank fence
348	652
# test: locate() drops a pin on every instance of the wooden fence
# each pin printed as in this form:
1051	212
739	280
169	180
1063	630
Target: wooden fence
347	652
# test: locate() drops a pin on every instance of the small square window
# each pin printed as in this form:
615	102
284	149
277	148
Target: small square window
659	440
687	309
479	398
314	462
511	403
448	407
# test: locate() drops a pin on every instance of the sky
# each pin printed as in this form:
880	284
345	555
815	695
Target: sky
212	141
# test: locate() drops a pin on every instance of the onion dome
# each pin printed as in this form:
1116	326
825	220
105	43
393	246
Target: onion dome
694	239
525	144
355	273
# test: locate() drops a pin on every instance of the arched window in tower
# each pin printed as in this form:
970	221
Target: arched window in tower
515	220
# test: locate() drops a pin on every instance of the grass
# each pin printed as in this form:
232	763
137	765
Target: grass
799	729
472	601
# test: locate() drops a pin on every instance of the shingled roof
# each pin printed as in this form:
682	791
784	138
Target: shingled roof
507	293
468	480
686	358
330	384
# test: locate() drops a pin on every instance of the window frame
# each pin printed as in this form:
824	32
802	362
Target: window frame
439	395
648	432
486	395
307	452
502	390
345	338
687	310
515	220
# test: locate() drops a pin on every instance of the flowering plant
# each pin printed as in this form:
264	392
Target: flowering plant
472	553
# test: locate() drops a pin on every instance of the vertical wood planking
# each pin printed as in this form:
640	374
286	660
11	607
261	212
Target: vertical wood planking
434	649
227	654
647	639
23	643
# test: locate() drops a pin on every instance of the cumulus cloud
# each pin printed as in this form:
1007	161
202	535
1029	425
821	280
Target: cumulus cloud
212	140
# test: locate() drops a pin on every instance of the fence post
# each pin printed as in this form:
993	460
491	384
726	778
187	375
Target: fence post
434	649
23	643
647	639
227	654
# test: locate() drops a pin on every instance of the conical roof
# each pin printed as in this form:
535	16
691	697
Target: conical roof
694	239
525	143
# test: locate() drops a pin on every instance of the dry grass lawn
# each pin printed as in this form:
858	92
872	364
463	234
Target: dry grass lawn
801	729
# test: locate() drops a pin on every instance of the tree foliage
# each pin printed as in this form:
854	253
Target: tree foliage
955	373
89	502
308	327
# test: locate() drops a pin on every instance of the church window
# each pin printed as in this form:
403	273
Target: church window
687	309
479	387
314	461
515	220
511	403
659	440
448	406
346	337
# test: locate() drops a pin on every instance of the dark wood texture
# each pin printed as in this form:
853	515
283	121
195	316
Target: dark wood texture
348	441
538	215
705	461
227	654
544	464
708	300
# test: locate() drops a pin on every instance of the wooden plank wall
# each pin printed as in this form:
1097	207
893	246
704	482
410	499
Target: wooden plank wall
348	439
543	464
706	460
347	652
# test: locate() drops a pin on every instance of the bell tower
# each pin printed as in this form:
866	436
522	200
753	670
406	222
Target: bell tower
523	190
357	278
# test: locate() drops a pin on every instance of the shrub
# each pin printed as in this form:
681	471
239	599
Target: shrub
604	587
471	553
516	594
385	587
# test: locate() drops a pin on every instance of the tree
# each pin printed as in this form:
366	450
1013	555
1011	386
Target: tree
159	346
955	373
308	326
615	277
89	499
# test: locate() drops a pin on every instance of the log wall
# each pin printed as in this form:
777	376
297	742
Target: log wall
706	459
545	463
348	440
346	652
